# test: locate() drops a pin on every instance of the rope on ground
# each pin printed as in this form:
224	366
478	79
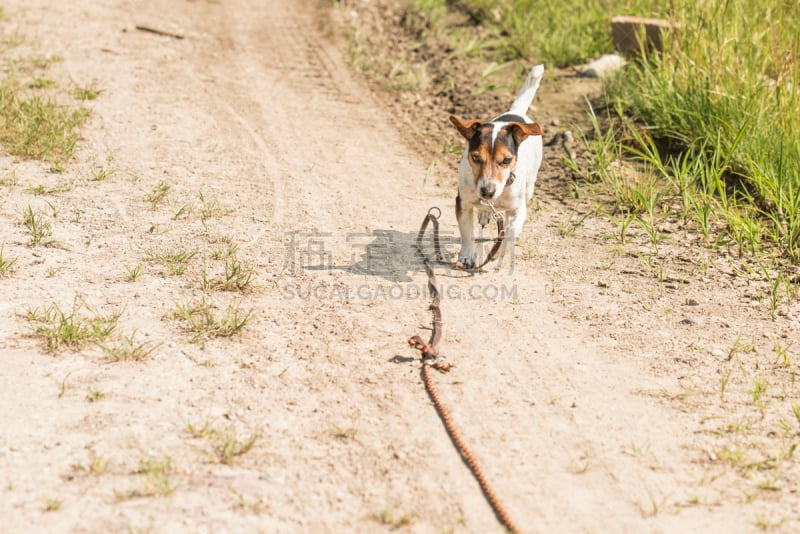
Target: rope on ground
432	359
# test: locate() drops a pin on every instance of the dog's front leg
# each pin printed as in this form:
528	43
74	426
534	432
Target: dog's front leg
466	224
515	219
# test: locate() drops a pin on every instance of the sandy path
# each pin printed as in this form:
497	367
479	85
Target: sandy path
256	110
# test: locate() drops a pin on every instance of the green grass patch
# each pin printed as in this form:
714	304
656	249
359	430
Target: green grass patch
74	328
722	113
34	124
35	127
201	319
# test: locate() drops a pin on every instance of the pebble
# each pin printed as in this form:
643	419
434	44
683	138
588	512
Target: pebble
690	320
692	302
718	353
602	67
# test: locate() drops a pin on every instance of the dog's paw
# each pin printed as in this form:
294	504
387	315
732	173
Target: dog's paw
465	262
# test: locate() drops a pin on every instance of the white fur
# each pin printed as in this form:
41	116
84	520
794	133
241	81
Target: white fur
512	199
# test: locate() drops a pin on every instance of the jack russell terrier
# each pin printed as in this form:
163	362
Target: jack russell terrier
499	166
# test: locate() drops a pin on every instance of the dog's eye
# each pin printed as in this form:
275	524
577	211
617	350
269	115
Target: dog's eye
476	158
506	162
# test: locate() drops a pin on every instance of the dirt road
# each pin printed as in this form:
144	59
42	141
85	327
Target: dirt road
267	142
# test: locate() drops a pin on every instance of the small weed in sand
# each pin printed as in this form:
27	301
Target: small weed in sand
201	320
42	82
184	212
344	434
9	179
101	175
42	190
157	473
128	349
390	518
238	277
224	252
741	347
256	507
211	208
724	385
765	523
37	226
87	92
174	261
94	395
97	464
760	386
224	445
796	411
132	275
6	263
784	358
52	505
71	329
207	429
158	194
580	465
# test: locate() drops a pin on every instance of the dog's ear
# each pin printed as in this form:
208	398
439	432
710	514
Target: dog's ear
522	130
466	128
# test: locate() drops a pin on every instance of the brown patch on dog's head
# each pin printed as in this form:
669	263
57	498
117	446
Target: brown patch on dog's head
479	138
465	128
523	130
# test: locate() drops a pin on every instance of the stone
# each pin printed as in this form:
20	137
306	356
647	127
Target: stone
626	32
602	67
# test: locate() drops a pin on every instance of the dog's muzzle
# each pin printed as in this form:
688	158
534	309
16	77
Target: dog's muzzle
488	190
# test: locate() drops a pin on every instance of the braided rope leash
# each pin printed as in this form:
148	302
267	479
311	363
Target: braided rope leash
432	359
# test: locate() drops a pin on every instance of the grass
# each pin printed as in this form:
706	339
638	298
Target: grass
102	174
175	261
157	474
721	104
33	122
559	33
158	194
129	349
34	127
6	264
210	208
237	277
389	517
71	329
87	92
201	319
38	227
52	505
132	275
224	446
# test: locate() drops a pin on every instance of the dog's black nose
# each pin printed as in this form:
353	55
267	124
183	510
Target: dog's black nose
487	191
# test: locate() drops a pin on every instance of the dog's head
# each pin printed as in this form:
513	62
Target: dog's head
492	151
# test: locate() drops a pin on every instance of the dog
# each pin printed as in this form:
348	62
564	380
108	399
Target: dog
500	165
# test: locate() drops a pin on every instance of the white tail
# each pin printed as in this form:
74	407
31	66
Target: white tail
528	91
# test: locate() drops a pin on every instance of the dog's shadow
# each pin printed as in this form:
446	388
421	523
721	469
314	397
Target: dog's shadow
393	255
